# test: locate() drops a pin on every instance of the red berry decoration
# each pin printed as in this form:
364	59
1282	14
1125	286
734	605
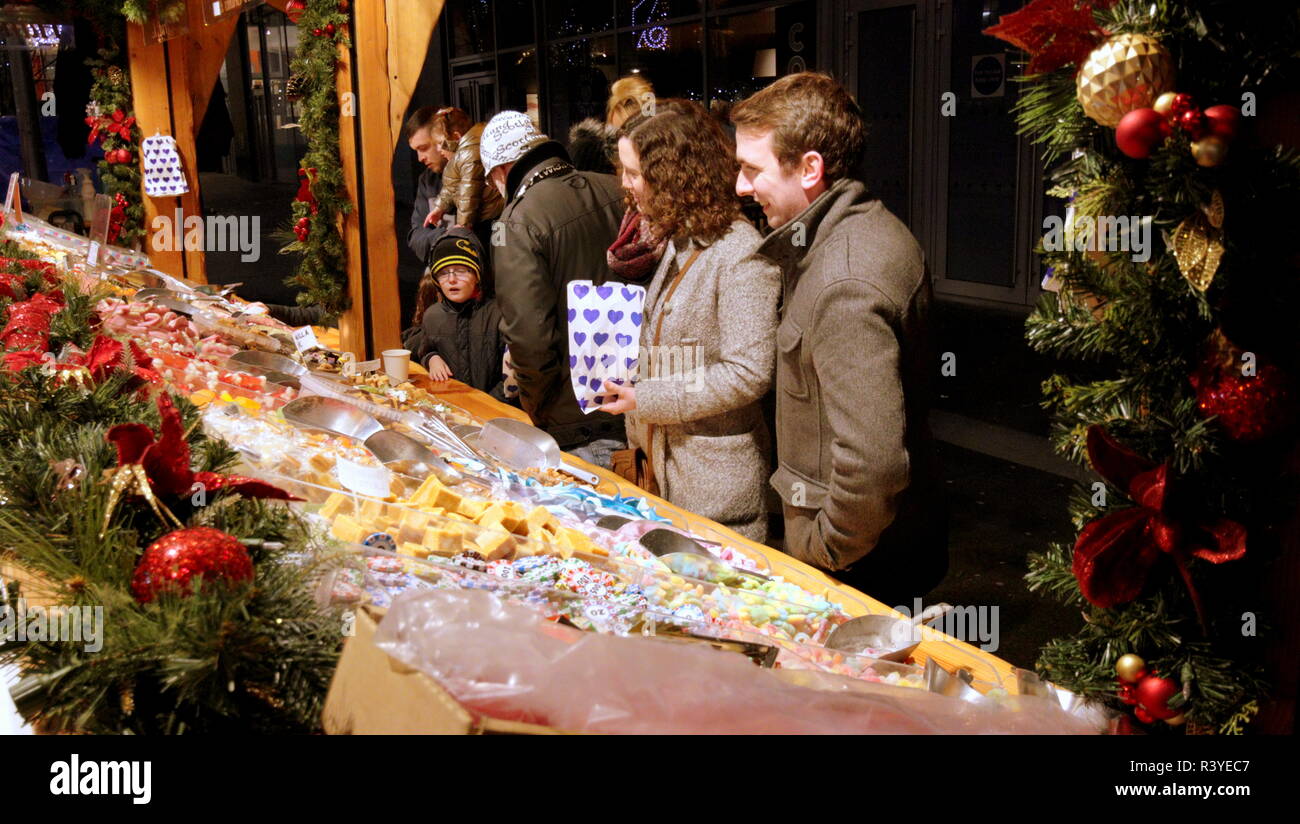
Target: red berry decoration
1153	693
295	9
1222	121
1139	133
171	562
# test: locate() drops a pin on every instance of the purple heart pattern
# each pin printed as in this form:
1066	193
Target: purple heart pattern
604	338
163	174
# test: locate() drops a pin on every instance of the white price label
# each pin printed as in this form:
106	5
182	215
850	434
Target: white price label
92	257
305	339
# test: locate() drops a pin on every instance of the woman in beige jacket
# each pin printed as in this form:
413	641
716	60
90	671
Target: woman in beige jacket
713	305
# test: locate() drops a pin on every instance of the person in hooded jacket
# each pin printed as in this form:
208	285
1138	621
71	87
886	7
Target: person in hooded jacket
455	331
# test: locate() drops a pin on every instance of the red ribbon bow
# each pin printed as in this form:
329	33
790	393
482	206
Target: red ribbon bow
1114	554
307	176
119	125
166	459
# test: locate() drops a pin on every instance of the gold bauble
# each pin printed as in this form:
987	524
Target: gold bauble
1165	103
1130	668
1126	72
1209	151
1177	720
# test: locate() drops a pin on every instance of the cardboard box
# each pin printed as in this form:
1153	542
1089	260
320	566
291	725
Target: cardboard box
374	694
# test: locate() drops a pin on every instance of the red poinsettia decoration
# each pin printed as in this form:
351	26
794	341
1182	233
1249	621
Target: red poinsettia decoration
118	125
1054	33
166	459
107	355
1114	554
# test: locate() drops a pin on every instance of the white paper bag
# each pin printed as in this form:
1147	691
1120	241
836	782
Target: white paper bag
604	337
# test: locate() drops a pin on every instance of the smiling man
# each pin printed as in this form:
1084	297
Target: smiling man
856	469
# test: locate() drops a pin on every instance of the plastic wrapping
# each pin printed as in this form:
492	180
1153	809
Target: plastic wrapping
503	660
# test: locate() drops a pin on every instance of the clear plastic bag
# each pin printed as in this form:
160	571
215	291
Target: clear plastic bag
503	660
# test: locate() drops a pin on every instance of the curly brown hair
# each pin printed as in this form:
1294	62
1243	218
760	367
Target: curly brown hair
689	166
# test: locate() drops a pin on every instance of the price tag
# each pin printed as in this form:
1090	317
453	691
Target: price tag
374	481
354	368
92	257
305	339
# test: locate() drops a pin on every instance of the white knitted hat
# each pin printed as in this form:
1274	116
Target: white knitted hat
506	138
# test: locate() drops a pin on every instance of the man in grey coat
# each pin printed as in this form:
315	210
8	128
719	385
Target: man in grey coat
856	470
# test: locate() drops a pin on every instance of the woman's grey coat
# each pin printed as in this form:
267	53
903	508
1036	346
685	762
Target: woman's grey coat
703	385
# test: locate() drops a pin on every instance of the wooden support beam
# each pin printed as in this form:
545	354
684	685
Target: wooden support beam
149	94
372	105
352	323
207	52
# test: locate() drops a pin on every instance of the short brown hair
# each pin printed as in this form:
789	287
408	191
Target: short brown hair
689	164
808	112
421	118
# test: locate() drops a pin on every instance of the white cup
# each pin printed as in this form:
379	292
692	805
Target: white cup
397	364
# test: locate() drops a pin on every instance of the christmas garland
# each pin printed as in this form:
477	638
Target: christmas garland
203	601
1180	391
322	198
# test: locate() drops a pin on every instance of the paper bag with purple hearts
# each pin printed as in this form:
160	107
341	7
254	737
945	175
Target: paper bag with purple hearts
604	336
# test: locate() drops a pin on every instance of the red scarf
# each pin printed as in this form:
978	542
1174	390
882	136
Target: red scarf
636	251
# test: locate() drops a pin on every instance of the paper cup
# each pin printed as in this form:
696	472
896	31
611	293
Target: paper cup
397	364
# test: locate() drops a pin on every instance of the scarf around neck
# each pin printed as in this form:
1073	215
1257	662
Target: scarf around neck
636	251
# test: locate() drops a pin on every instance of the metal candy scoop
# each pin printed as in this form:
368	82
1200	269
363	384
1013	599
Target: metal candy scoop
661	542
392	447
524	446
685	556
612	522
331	415
268	360
893	639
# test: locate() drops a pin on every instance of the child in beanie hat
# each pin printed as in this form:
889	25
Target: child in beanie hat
455	332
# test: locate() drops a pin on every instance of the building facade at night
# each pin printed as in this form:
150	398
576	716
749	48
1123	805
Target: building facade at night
943	152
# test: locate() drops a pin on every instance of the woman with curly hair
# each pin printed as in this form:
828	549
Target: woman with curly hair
707	353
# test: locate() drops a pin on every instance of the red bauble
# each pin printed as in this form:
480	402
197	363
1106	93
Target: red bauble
1139	132
1152	693
343	5
1182	103
1248	407
1192	123
169	563
1222	120
329	29
295	9
318	32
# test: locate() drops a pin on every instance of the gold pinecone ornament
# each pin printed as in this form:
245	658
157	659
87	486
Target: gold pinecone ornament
1126	72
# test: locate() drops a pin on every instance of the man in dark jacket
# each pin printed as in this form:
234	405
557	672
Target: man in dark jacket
421	139
856	468
556	227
